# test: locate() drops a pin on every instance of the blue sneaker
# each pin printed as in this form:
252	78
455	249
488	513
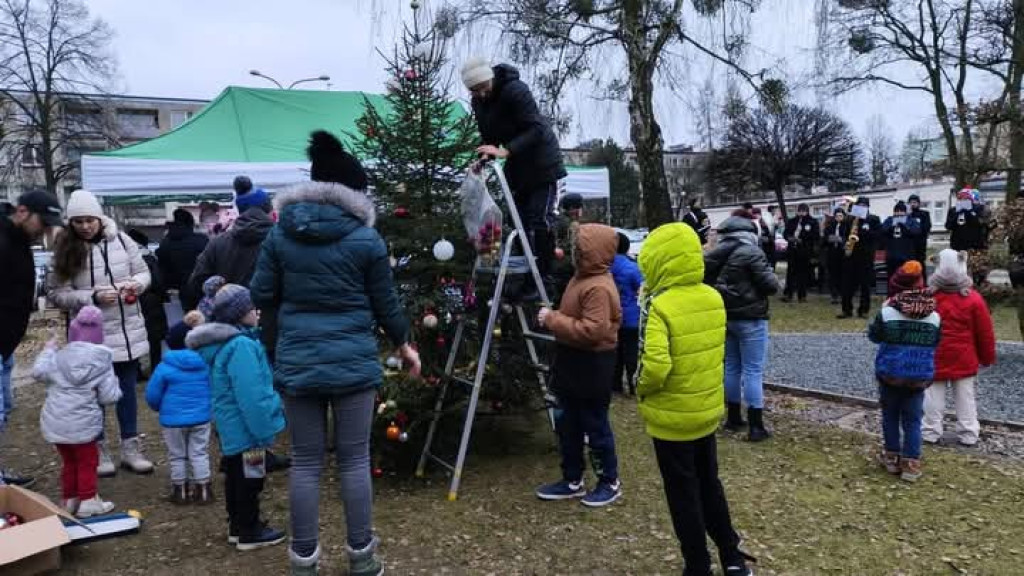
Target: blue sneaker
563	490
603	495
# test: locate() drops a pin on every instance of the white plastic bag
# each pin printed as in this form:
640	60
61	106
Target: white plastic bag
480	214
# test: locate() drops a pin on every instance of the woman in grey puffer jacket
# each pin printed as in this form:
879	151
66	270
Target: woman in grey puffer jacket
740	271
95	264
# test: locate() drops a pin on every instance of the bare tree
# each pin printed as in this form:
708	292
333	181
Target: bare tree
772	149
54	61
570	36
942	41
883	165
919	155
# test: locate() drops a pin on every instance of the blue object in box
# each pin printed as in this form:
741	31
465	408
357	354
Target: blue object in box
101	527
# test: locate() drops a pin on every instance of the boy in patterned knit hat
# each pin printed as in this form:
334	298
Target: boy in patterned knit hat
907	330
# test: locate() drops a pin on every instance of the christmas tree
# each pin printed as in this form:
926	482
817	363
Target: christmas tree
418	147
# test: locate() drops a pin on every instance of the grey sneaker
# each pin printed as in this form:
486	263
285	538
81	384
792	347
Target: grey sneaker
305	566
364	562
132	457
105	468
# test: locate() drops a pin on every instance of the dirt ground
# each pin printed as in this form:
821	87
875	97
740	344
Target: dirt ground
812	501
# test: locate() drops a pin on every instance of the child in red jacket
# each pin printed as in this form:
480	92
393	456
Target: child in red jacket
968	341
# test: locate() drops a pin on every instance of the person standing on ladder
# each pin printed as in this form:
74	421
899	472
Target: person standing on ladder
512	128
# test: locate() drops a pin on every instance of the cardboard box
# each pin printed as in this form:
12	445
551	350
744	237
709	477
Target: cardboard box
32	547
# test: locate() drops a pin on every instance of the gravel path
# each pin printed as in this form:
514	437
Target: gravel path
843	363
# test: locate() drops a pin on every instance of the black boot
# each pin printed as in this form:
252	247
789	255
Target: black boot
734	419
757	430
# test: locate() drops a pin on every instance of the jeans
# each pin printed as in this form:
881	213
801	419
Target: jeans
241	497
78	472
967	427
626	358
575	419
745	344
696	502
127	408
6	396
307	425
188	447
536	209
902	409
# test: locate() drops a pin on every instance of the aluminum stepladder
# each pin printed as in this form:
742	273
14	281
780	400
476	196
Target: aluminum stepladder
503	270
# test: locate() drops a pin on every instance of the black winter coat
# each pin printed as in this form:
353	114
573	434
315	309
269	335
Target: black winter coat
924	222
900	240
972	234
233	255
177	256
700	223
509	117
18	288
810	233
869	232
739	270
152	300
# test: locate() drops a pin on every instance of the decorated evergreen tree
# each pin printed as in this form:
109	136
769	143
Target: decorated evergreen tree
417	146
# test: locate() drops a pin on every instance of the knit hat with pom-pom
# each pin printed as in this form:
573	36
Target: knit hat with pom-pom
87	326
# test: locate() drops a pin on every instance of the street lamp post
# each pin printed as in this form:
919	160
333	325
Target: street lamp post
320	78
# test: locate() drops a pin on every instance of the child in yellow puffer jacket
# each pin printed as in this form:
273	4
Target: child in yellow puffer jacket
682	396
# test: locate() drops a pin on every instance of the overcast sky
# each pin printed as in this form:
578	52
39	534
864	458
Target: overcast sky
195	48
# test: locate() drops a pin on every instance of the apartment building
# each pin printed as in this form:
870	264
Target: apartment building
86	124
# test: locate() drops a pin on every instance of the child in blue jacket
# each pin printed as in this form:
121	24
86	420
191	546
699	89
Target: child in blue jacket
628	280
179	390
246	410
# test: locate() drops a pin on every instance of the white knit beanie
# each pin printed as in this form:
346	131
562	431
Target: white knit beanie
951	261
476	71
83	203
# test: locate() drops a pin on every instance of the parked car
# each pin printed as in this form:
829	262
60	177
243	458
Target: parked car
43	260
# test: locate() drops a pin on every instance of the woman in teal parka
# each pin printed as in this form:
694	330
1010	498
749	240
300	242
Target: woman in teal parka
327	272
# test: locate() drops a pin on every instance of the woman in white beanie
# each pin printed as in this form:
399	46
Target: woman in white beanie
95	264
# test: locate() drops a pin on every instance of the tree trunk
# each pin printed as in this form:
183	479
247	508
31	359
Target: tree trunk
780	197
646	137
1013	174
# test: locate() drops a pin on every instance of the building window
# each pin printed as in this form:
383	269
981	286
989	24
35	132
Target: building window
31	156
179	117
138	123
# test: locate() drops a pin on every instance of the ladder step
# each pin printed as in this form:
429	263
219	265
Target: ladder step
543	337
446	465
464	381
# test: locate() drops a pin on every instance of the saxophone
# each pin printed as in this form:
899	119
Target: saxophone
853	238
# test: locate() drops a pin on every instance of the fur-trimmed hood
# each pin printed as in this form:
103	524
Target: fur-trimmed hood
321	212
208	334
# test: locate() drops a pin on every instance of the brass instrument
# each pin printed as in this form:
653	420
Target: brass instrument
853	238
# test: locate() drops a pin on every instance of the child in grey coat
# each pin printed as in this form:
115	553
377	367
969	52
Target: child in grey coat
79	379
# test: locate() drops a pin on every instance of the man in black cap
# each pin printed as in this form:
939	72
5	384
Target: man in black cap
859	262
34	213
698	220
803	233
923	219
177	257
570	213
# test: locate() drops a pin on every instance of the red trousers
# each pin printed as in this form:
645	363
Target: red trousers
78	476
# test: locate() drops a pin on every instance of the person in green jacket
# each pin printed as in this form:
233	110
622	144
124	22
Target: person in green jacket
681	394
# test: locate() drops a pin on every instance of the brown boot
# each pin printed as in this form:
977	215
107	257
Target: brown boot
891	462
202	493
179	494
911	469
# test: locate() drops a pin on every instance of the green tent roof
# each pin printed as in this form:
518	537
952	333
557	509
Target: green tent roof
258	125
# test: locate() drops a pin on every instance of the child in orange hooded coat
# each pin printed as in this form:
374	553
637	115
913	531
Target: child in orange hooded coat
586	330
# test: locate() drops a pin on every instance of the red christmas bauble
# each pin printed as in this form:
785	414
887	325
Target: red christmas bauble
393	432
401	212
559	254
410	74
378	472
440	341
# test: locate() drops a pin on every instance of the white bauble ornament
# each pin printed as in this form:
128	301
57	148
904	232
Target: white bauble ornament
393	362
423	50
430	321
444	250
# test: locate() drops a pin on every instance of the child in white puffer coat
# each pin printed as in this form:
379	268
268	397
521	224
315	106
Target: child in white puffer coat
79	379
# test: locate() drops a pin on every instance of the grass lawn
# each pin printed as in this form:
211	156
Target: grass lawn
818	315
809	502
